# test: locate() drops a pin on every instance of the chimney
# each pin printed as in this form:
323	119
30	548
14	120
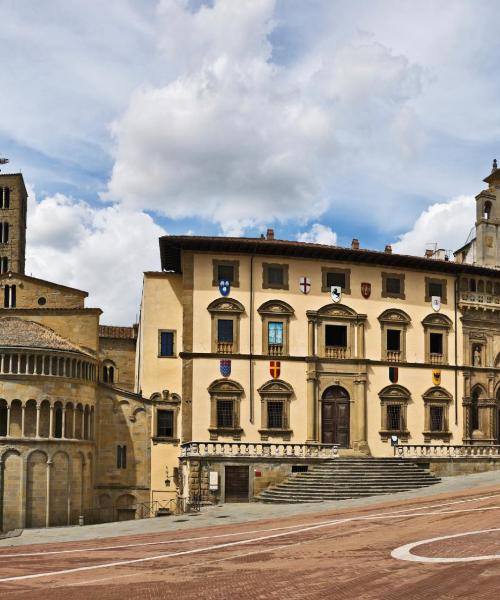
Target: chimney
388	249
355	244
270	234
429	253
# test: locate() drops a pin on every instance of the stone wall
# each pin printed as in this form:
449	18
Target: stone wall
121	354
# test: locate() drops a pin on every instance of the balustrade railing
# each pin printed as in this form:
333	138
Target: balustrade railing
394	355
446	451
258	449
275	350
436	359
484	298
335	352
224	347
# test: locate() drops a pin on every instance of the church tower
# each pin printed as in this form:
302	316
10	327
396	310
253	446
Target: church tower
13	208
488	222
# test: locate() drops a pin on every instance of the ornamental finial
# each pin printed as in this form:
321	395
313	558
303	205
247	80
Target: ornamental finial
494	165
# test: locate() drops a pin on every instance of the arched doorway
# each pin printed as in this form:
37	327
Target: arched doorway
335	416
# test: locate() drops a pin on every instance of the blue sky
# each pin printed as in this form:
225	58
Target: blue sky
327	119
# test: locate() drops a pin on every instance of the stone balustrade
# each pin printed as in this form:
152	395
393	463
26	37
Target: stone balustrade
258	450
394	355
275	350
46	364
482	298
336	352
446	451
225	347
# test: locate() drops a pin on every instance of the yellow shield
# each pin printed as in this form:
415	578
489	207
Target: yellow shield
436	376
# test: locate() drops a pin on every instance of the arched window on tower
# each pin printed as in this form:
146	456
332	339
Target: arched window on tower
4	197
487	210
4	233
109	374
4	264
9	296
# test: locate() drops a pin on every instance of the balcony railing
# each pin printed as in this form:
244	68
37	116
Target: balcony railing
275	350
394	355
225	347
258	449
436	359
336	352
446	451
483	298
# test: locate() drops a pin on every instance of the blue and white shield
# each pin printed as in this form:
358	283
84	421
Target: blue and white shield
225	367
224	287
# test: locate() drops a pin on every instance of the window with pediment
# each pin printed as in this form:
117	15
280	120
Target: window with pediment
226	314
393	325
436	330
275	409
166	410
276	316
394	401
437	401
339	331
225	400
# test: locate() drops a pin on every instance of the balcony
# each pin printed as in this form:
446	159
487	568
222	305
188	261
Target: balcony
394	355
258	449
338	352
225	347
480	299
275	350
436	359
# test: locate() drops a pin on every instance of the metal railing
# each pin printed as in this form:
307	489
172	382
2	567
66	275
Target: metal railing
258	449
446	451
139	510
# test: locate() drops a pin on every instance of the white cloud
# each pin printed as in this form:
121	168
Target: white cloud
319	234
241	141
100	250
446	223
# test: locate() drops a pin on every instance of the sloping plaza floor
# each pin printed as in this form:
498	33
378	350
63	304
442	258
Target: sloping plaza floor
442	542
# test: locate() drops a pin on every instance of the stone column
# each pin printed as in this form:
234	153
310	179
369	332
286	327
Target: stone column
311	405
361	340
47	503
311	350
37	434
23	409
63	432
8	421
74	421
51	422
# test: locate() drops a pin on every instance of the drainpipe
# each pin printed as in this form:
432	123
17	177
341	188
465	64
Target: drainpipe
251	341
456	349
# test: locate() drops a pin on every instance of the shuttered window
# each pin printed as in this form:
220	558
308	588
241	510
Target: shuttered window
225	330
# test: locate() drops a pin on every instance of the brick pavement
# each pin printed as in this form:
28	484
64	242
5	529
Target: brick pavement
339	554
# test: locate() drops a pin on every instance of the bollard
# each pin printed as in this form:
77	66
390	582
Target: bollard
81	520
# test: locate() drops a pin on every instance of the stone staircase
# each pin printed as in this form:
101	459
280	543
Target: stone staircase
343	478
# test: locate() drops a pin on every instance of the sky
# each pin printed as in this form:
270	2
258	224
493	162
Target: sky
325	119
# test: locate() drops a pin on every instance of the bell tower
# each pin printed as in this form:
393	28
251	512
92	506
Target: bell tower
13	208
488	222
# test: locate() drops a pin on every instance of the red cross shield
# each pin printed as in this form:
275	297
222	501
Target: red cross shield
275	368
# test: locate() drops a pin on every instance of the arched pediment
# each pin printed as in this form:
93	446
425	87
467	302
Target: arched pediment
437	320
437	393
225	386
275	307
394	315
275	386
337	311
479	391
497	360
394	392
226	305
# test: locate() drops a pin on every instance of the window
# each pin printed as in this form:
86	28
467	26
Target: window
394	323
4	233
121	457
338	277
394	422
108	374
275	415
4	197
436	402
165	423
226	270
4	264
9	298
394	340
435	287
58	422
394	402
436	343
225	399
225	413
393	285
436	418
225	314
276	316
336	335
275	409
166	343
275	276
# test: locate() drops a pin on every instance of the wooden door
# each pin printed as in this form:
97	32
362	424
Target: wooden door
236	484
335	418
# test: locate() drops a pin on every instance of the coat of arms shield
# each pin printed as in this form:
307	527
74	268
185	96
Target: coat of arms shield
305	285
336	293
225	367
275	368
366	289
436	303
436	376
393	374
224	287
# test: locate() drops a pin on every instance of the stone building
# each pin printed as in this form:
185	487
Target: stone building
74	437
279	352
